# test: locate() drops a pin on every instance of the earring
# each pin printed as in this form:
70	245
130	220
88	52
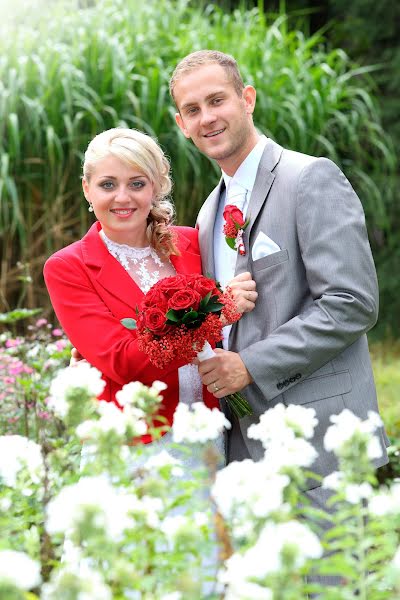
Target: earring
90	209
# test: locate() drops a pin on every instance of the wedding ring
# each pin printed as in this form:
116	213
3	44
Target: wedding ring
216	388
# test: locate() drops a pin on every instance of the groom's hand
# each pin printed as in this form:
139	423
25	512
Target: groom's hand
224	374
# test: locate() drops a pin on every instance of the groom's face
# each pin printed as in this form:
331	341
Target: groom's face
215	116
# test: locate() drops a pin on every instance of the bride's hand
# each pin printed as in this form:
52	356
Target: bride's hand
76	357
244	292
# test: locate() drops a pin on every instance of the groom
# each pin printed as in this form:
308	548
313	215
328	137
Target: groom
306	247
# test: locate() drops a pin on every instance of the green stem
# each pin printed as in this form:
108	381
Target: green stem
361	587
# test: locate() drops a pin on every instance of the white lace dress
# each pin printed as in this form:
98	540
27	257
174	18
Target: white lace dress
146	268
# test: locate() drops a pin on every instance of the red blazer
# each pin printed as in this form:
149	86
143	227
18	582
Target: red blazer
91	291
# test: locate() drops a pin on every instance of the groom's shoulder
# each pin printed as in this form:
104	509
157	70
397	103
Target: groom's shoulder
293	159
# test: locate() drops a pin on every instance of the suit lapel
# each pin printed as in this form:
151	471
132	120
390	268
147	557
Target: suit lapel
262	186
206	222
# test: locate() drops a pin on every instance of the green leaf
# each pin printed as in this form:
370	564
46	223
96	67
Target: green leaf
129	323
190	316
18	314
204	301
175	316
230	242
217	307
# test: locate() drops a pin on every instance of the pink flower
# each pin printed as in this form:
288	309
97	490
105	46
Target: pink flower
44	415
16	368
41	322
13	343
60	345
57	332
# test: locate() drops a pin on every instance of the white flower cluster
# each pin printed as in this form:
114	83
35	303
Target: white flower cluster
346	425
275	422
173	525
396	560
150	508
247	489
90	495
265	558
136	394
18	569
164	459
86	583
81	376
197	423
353	492
386	502
16	453
282	430
128	421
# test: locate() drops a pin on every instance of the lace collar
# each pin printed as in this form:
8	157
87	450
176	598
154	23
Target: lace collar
124	253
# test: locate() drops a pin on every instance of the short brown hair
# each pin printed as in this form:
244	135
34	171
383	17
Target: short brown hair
204	57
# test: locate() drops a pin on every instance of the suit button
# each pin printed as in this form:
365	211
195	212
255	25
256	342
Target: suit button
292	379
298	376
279	385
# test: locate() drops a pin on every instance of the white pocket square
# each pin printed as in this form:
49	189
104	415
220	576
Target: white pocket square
263	246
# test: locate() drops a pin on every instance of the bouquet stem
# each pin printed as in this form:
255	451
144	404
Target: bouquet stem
237	403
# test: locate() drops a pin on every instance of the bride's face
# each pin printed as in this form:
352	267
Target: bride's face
121	197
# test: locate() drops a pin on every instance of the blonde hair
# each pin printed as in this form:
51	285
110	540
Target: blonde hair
143	153
200	58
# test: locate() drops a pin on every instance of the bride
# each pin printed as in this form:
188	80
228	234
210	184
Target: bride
99	280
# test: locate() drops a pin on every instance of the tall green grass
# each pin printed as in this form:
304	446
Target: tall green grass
72	69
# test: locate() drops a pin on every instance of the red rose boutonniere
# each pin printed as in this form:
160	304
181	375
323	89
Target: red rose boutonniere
234	227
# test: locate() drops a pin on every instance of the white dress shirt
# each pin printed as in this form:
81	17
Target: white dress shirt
224	256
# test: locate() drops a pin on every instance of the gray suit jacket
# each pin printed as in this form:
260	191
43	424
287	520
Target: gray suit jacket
304	343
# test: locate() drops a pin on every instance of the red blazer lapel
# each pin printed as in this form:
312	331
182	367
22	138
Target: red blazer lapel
109	273
189	260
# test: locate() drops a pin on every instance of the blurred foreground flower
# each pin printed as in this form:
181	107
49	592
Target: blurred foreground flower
74	381
19	570
18	453
198	423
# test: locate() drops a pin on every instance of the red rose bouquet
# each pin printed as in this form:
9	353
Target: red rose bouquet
179	317
234	226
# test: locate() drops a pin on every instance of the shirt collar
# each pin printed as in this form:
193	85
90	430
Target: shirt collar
247	171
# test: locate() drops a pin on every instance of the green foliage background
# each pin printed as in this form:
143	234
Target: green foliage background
72	69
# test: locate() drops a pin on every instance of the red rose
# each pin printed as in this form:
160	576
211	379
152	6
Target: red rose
155	297
184	299
203	285
154	319
170	285
140	322
233	214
